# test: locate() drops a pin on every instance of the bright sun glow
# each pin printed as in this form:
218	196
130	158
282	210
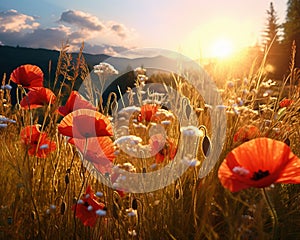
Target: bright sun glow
222	48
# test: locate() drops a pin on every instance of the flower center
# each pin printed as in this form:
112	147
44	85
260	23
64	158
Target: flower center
260	174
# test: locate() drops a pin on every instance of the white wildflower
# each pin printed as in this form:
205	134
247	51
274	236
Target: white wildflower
140	71
129	110
129	139
166	122
101	212
191	131
52	206
132	233
105	69
191	163
44	146
221	106
131	212
99	194
7	87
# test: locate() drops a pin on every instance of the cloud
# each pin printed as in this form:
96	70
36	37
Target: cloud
51	38
13	21
120	30
104	48
99	37
90	25
82	20
110	51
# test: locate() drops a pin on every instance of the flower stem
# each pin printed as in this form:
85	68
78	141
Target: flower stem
272	213
81	188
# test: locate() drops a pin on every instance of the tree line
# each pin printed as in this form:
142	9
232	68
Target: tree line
281	42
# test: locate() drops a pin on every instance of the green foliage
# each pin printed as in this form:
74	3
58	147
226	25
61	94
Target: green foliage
292	24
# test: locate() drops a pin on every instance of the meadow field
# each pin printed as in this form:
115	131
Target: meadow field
68	161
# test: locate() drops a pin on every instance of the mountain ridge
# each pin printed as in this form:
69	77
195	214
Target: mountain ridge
12	57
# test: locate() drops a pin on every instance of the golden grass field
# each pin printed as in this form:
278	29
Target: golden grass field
44	187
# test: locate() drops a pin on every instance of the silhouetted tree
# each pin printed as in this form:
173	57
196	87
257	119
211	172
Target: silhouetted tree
271	35
277	56
292	27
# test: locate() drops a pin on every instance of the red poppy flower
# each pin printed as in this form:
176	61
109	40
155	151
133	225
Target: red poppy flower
28	76
285	103
86	208
85	123
162	148
38	97
246	133
259	163
147	112
75	102
98	150
38	143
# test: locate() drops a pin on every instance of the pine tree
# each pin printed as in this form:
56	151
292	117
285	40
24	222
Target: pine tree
292	28
270	35
292	24
273	47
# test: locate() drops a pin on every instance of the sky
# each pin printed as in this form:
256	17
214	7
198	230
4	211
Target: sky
195	28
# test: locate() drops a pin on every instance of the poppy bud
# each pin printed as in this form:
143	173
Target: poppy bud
9	220
62	208
287	141
134	204
206	146
32	215
67	180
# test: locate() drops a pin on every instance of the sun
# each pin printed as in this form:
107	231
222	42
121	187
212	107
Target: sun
222	48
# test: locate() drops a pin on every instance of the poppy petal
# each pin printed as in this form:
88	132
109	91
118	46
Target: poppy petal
29	76
246	133
88	216
291	172
38	97
37	142
30	134
85	123
259	163
147	112
98	150
75	102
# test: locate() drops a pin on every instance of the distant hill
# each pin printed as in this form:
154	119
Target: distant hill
12	57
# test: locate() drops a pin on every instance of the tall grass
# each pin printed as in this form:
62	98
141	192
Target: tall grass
36	195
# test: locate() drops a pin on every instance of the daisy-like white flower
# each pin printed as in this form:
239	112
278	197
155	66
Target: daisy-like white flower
105	69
